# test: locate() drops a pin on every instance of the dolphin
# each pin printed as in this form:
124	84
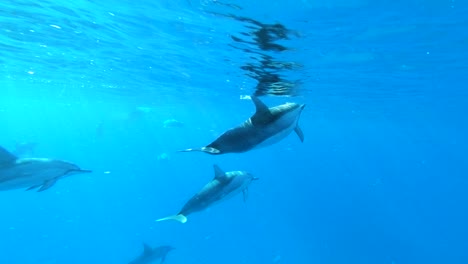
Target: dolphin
25	148
172	123
224	185
33	173
150	255
266	127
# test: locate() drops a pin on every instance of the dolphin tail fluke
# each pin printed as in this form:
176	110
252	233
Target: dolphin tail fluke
179	218
299	133
190	150
209	150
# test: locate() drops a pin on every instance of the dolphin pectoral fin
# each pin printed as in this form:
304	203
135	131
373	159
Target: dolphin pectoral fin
163	259
32	187
47	184
299	133
179	218
245	194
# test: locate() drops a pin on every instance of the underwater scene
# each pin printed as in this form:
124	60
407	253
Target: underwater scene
233	132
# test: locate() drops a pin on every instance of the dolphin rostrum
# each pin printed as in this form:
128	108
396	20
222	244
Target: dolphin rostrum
223	186
266	127
32	173
150	255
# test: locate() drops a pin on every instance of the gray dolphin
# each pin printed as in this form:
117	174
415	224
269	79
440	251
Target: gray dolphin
150	255
224	185
266	127
25	148
32	173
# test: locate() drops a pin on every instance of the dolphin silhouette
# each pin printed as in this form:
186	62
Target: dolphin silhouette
266	127
224	186
150	255
25	148
33	173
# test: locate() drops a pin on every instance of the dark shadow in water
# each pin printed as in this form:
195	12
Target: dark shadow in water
266	72
263	35
265	68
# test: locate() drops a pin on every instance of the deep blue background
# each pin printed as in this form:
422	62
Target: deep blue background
380	178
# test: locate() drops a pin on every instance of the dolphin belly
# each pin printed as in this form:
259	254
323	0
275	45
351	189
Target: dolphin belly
19	182
17	178
278	130
275	138
199	202
215	192
233	189
238	139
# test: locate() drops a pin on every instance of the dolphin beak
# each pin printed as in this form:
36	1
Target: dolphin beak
77	171
84	171
255	178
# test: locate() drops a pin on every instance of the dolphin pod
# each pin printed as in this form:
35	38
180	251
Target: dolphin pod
266	127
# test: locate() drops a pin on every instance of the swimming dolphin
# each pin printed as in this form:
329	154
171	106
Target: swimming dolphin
32	173
223	186
172	123
25	148
266	127
150	255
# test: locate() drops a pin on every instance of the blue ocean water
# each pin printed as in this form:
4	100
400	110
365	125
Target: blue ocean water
380	178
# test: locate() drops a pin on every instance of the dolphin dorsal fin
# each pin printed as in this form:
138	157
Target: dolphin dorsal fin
6	157
259	105
219	173
146	249
262	113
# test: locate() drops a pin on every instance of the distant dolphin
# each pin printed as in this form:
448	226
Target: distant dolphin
150	255
25	148
32	173
223	186
266	127
172	123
